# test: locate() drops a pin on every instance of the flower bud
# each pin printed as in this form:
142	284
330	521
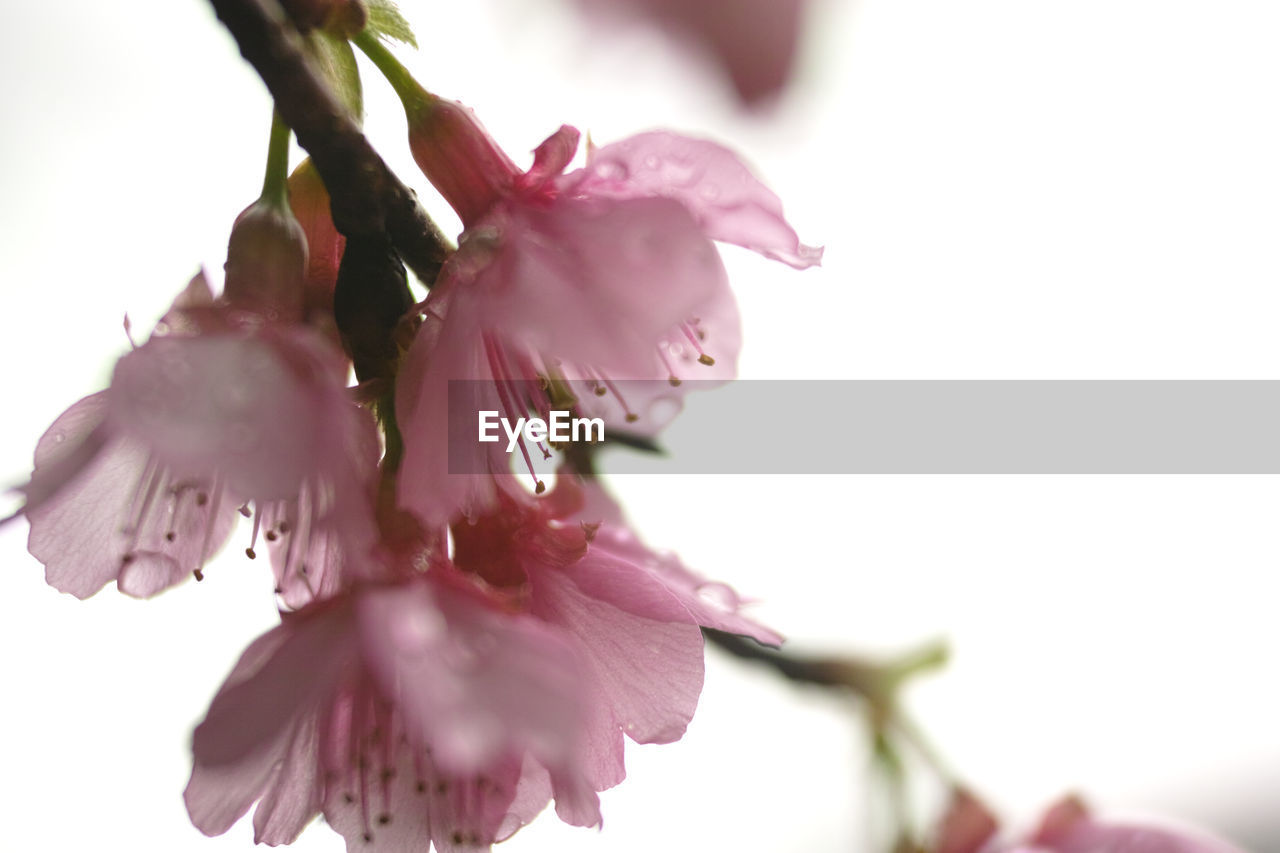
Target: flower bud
266	262
458	156
310	203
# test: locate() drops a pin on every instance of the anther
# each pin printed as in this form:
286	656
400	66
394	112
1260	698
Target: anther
201	499
198	575
271	536
384	819
540	488
170	536
245	511
250	553
673	381
706	359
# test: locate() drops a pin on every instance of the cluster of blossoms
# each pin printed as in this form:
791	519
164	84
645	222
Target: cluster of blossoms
455	651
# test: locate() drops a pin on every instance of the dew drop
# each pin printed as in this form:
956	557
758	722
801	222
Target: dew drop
718	595
611	171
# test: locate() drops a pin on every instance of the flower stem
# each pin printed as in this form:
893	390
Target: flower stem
275	183
412	95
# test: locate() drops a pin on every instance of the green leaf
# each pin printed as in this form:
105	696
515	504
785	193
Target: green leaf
386	22
335	59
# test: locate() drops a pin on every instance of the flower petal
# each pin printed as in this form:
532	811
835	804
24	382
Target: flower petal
717	188
643	653
473	682
101	511
599	282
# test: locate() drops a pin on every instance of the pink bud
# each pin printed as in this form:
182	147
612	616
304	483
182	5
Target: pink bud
458	156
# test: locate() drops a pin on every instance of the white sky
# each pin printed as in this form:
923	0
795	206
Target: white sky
1005	189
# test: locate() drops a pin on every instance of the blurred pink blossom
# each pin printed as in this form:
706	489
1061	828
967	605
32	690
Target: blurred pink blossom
140	483
411	714
754	41
1068	827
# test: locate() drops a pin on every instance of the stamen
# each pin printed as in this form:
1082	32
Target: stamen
172	533
671	373
253	538
703	358
507	398
631	416
154	476
210	519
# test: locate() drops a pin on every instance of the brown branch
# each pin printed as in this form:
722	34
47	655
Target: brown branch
366	197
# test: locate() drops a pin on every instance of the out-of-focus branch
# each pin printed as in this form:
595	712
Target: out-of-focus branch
366	197
875	682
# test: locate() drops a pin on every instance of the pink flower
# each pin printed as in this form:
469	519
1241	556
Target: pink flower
1069	828
410	714
754	41
634	618
570	281
141	483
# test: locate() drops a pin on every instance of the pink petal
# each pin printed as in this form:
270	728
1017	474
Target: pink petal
218	403
597	282
218	795
643	653
475	683
645	407
550	159
709	603
293	796
717	188
753	40
450	469
289	670
116	504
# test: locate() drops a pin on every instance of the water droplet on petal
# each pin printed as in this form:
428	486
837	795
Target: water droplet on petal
718	595
611	170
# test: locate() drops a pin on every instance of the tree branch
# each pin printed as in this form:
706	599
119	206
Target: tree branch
876	682
366	197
